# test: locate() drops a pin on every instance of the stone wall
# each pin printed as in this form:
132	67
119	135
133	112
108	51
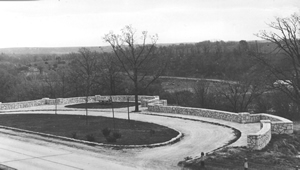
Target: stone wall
75	100
153	101
259	140
99	98
71	100
216	114
24	104
124	98
277	125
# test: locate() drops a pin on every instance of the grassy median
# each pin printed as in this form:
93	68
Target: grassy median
74	126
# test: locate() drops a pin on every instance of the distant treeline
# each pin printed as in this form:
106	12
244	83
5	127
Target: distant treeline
214	60
34	76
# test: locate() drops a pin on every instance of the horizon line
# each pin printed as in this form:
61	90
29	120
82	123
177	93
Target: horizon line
75	46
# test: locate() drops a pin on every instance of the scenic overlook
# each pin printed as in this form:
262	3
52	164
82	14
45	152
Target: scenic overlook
150	85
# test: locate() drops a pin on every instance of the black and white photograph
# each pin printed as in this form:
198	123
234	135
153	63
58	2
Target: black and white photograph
149	84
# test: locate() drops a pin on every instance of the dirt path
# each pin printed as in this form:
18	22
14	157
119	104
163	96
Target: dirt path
199	137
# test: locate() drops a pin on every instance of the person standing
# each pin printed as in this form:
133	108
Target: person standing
246	164
202	158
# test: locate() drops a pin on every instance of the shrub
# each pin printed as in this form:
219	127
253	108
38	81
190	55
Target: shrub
90	137
117	135
111	139
106	132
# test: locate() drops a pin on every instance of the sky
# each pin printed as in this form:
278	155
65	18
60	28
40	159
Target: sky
68	23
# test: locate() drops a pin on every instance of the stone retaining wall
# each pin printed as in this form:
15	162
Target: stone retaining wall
278	125
259	140
216	114
24	104
73	100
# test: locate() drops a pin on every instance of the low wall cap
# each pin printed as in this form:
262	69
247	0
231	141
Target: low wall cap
265	121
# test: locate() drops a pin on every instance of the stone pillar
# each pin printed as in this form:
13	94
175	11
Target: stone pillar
59	101
97	97
46	100
144	103
164	102
264	121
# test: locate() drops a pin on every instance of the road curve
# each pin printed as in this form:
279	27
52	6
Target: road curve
35	152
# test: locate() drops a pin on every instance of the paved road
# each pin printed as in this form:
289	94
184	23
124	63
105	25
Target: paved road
32	154
26	151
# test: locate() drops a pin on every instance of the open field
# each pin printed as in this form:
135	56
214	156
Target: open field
74	126
176	84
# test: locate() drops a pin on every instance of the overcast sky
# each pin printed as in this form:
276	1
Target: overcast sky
55	23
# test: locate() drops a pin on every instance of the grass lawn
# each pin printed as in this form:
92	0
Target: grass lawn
101	105
74	126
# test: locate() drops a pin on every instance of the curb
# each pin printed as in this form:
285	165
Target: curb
171	141
237	133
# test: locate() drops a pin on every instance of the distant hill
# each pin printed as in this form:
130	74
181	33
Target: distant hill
263	45
54	50
50	50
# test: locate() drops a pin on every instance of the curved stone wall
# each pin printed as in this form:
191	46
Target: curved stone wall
278	125
73	100
23	104
216	114
259	140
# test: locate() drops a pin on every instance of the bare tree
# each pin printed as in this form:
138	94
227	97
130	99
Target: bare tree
137	57
6	83
85	65
201	90
241	94
51	80
63	73
286	72
110	73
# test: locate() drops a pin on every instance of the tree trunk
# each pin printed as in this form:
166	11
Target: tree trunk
86	110
136	91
